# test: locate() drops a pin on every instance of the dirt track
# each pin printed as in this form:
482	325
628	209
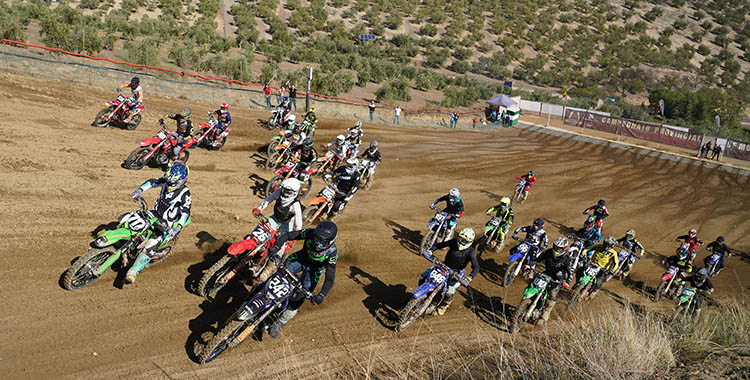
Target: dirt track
61	179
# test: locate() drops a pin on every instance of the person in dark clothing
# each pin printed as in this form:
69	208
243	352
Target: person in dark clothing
536	237
716	152
705	149
293	97
717	247
346	181
692	240
184	130
223	117
306	155
557	265
371	107
599	211
460	253
318	254
454	206
699	280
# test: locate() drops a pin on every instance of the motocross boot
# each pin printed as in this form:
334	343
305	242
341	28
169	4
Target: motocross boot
444	305
140	262
548	310
276	327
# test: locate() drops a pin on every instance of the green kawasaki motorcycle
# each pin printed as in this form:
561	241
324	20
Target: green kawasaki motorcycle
533	301
126	241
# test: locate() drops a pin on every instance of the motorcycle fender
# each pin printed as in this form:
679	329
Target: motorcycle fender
515	256
317	200
666	277
424	289
682	299
242	246
147	142
112	237
225	133
252	307
111	104
530	292
431	225
584	280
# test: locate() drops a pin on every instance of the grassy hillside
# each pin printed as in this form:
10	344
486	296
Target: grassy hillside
695	52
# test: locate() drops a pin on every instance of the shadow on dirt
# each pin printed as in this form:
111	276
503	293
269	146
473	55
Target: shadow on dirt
491	310
213	251
259	185
491	195
638	309
492	271
383	301
409	239
561	228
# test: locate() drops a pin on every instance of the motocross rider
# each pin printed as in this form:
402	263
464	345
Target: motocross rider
318	253
338	147
184	130
699	280
632	244
557	265
460	253
536	237
287	212
372	154
354	138
599	212
172	208
453	206
312	122
505	213
603	255
306	155
692	240
310	115
681	259
589	233
530	180
346	182
223	117
719	248
135	99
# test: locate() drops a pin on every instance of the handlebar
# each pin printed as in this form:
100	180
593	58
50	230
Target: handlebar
141	202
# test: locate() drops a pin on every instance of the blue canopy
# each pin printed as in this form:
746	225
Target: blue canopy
502	100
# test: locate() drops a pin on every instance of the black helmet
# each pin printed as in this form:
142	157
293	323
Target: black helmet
135	81
323	238
538	222
308	143
601	203
720	239
374	145
701	275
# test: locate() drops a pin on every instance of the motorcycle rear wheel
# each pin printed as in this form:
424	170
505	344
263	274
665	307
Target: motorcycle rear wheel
223	340
408	314
521	310
135	159
660	291
214	278
83	271
99	120
134	122
216	144
509	275
274	184
310	211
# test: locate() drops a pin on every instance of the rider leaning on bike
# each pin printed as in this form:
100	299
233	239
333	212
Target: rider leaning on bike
372	153
536	237
453	206
460	253
504	212
589	233
172	208
530	179
223	117
287	212
557	265
305	153
604	256
600	212
718	247
346	181
135	99
632	244
699	280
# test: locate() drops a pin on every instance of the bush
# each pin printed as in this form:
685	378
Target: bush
703	50
208	7
144	52
393	91
393	21
428	30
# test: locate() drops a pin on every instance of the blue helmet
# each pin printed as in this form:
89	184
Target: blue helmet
531	173
176	176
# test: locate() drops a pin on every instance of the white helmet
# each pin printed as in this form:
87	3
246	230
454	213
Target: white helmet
291	118
358	124
454	194
289	190
340	139
351	165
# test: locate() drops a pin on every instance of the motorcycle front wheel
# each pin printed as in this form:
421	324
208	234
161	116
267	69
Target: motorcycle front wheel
521	310
136	158
409	313
427	241
577	295
84	272
660	291
510	273
223	340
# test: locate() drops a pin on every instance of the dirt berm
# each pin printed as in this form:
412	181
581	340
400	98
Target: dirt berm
61	178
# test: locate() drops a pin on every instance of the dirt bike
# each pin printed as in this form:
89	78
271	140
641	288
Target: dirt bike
207	135
277	119
289	170
367	173
158	149
322	205
520	195
283	152
328	163
437	230
670	283
686	303
533	301
429	293
493	237
519	256
584	284
712	264
250	253
624	258
265	304
308	127
575	251
115	112
283	139
127	241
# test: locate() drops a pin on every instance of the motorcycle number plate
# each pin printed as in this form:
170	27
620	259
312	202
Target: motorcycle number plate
439	217
714	258
494	222
592	271
328	193
161	135
278	287
260	234
672	270
135	221
437	277
688	292
523	248
540	283
290	164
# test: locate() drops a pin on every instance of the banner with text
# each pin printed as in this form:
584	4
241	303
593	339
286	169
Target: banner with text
737	149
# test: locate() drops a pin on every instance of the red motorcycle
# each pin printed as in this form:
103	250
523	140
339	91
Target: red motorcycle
250	253
321	207
116	112
289	170
671	282
158	149
328	163
208	136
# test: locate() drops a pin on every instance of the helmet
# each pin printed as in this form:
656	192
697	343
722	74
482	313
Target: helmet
601	203
176	176
351	165
538	223
465	238
720	239
340	139
610	242
531	172
224	107
308	143
630	234
186	112
289	190
285	102
358	124
374	145
559	246
454	195
135	81
504	203
702	274
323	238
693	233
590	222
291	118
312	109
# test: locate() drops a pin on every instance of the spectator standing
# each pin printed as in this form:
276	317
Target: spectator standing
493	116
502	117
293	97
474	123
372	109
455	124
267	93
705	149
716	152
397	115
453	119
282	91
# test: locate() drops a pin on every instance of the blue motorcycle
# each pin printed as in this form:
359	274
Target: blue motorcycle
519	255
430	292
266	303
